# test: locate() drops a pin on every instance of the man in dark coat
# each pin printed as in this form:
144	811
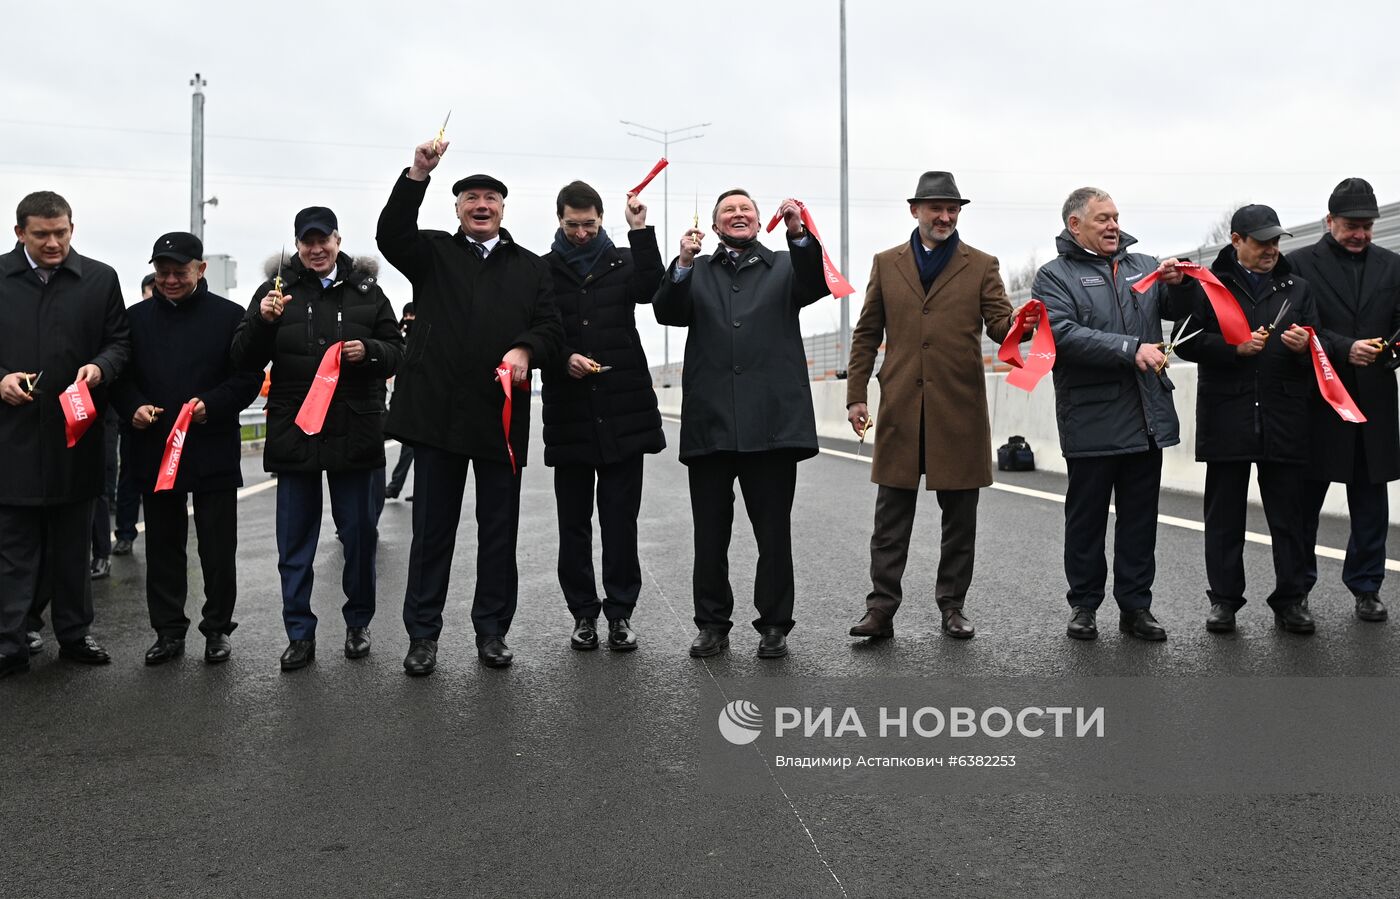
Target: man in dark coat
600	413
1113	407
1252	410
179	353
483	302
1357	290
325	297
61	317
746	409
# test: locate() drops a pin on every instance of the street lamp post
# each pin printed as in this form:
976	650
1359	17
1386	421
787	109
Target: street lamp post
665	140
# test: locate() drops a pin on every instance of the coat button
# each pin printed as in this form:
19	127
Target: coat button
735	288
738	369
600	420
321	341
585	321
583	290
920	382
737	323
925	344
925	312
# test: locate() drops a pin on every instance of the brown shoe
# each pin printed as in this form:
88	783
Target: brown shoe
956	626
875	624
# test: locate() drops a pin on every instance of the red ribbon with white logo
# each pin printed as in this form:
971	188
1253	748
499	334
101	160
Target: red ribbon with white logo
312	415
1026	373
503	376
78	411
174	448
655	170
1234	326
1328	384
835	281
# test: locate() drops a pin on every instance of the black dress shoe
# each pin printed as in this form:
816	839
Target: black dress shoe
356	642
422	657
217	648
1083	624
1140	623
585	635
1295	619
956	626
708	643
772	643
1369	607
1221	619
165	649
494	653
13	665
299	654
101	568
621	637
87	650
122	547
876	623
35	641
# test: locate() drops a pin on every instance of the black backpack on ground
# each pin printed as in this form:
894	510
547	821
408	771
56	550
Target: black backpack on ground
1015	455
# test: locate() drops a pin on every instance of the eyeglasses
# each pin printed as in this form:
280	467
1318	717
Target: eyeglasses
574	226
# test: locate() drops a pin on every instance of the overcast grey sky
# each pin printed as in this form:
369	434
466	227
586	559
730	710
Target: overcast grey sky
1180	111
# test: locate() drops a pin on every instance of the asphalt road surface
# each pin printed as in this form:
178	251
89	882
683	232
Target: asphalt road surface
597	774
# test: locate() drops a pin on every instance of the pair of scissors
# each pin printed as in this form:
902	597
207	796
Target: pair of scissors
599	369
442	131
1278	319
1179	336
31	385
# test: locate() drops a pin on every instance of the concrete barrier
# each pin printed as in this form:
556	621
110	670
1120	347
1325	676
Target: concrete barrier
1032	415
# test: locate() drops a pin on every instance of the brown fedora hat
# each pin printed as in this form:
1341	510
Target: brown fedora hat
937	186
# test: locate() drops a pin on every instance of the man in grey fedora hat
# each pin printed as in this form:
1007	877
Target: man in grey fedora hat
928	300
1358	310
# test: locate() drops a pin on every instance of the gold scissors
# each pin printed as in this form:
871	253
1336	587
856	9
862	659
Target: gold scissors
1278	319
441	131
31	385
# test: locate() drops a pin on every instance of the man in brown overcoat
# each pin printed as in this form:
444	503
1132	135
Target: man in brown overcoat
928	299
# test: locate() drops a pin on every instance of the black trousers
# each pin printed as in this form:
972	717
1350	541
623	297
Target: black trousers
1132	481
889	546
44	557
102	509
128	491
167	565
1226	502
1368	510
437	509
619	492
768	481
400	475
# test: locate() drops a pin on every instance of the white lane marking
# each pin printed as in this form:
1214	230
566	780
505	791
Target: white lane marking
1326	552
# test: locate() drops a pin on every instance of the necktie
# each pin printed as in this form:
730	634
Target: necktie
325	282
44	273
480	249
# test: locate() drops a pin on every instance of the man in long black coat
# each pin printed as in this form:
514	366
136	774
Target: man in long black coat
1252	411
62	317
482	301
1357	289
600	413
179	353
746	411
326	297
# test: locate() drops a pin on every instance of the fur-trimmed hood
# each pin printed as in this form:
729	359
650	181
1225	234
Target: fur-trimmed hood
369	265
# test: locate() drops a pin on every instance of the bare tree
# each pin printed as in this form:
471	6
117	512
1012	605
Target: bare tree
1220	231
1019	277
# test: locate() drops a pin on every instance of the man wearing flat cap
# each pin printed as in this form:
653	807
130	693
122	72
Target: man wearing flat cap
928	301
1252	412
1357	289
179	354
482	302
326	297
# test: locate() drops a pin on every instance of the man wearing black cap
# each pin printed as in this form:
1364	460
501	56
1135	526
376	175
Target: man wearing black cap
1357	290
482	302
928	300
62	320
179	354
1252	410
325	297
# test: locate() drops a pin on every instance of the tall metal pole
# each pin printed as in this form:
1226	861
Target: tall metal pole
197	157
665	140
842	339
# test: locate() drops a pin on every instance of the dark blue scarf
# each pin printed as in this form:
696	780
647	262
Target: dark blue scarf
932	264
581	259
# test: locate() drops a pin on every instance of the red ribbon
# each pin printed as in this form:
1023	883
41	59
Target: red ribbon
1328	384
835	281
1234	327
503	375
1026	373
174	448
78	411
655	170
312	415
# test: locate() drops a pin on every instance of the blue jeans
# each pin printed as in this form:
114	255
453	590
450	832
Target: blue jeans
355	510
